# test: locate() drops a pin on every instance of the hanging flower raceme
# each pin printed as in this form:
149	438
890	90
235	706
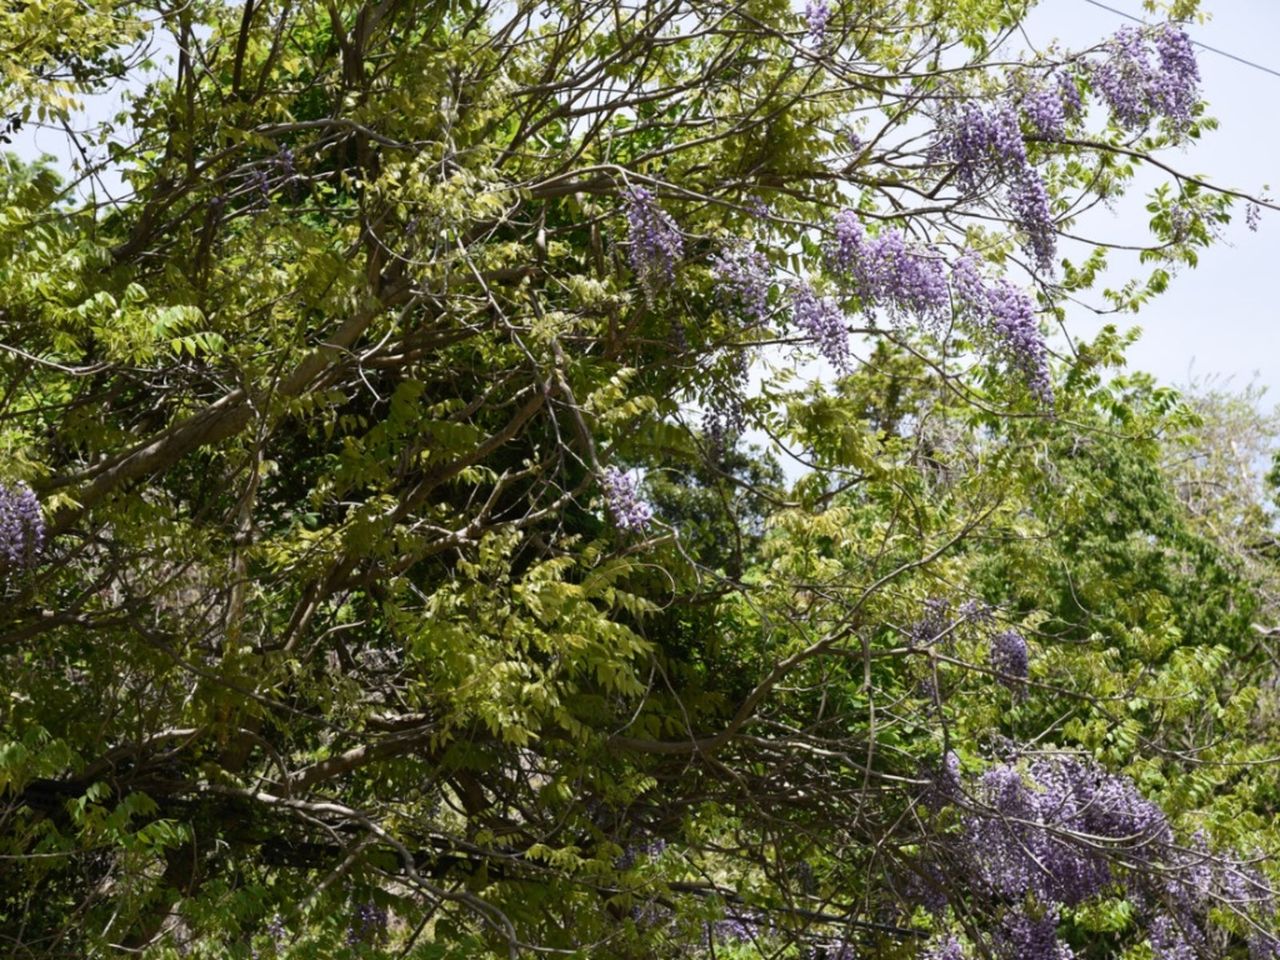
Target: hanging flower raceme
1062	831
985	147
1046	112
1168	942
948	948
1029	200
742	276
1026	935
887	272
934	624
1009	656
629	510
1013	320
824	323
1050	105
910	282
816	15
22	529
656	242
1009	314
1148	74
368	924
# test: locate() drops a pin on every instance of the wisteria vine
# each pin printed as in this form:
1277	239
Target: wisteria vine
1058	831
22	529
656	242
1139	75
630	511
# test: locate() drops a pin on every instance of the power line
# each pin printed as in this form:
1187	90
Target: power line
1202	46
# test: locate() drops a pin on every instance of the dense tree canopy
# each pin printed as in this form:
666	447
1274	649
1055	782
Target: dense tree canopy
597	479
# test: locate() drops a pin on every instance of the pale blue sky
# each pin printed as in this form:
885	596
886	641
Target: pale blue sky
1223	318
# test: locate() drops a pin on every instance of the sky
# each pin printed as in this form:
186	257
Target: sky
1222	319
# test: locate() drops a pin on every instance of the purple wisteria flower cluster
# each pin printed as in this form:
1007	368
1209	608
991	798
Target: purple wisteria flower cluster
741	274
1143	75
938	619
975	611
736	927
277	930
656	242
817	13
1060	831
1027	935
934	624
22	530
629	510
823	322
945	786
1047	113
368	924
1262	946
1009	314
1008	656
985	147
724	420
1167	941
1148	74
888	272
948	948
1246	891
1021	842
1049	105
1013	320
